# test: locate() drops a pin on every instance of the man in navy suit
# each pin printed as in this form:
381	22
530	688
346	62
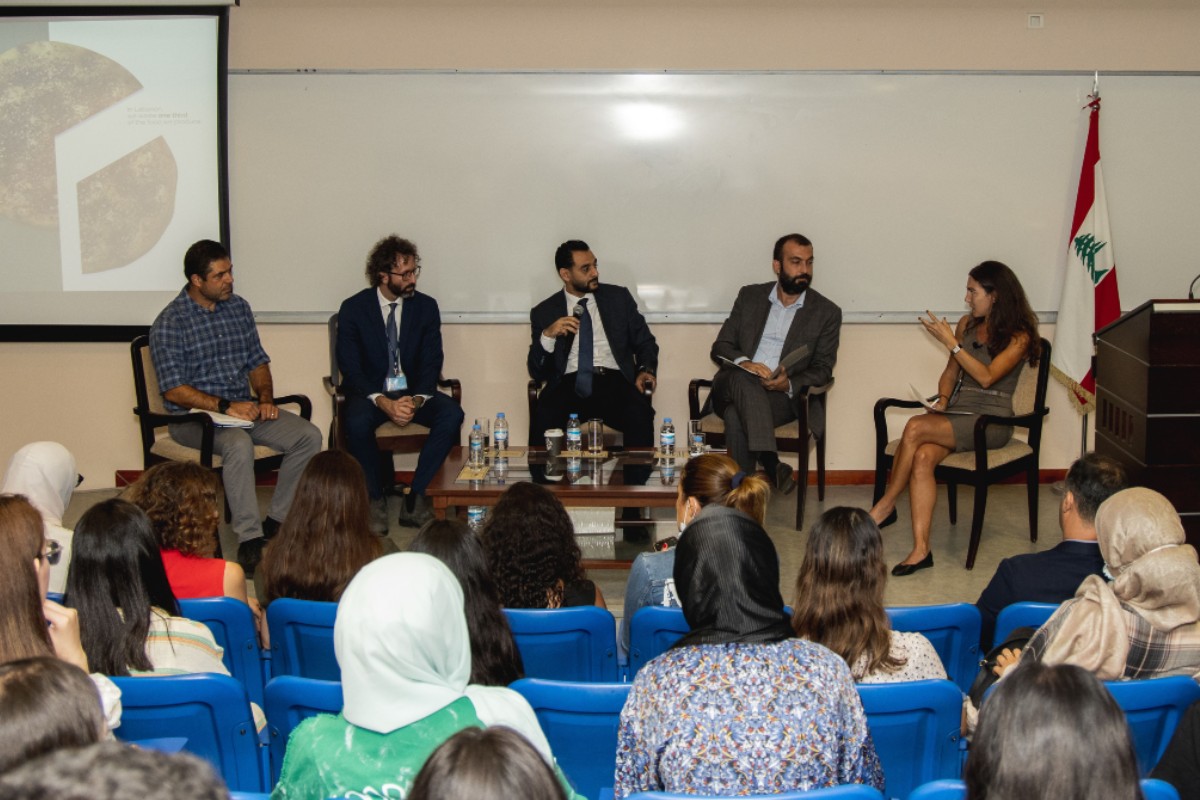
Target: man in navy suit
768	322
389	351
1053	576
610	379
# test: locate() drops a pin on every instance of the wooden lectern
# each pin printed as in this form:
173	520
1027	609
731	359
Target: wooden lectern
1148	401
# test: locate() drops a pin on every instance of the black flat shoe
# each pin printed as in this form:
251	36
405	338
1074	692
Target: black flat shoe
900	570
890	519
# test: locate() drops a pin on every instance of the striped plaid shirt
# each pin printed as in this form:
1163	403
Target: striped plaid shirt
212	351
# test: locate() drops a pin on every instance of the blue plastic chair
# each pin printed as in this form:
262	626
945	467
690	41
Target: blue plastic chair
652	631
302	639
957	790
580	722
852	791
290	701
916	730
210	712
1021	615
953	629
1153	709
232	624
566	644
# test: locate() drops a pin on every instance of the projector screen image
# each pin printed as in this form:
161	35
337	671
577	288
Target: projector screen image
109	162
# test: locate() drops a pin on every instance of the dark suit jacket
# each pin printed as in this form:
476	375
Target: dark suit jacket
818	325
362	351
1051	576
632	343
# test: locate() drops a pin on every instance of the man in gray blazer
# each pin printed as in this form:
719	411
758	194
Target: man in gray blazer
769	321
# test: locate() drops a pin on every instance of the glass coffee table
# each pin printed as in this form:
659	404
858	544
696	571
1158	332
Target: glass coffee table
615	479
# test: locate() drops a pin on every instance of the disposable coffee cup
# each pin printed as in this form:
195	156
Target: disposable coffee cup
554	442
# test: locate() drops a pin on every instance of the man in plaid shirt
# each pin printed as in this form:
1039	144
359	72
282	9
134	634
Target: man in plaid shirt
208	357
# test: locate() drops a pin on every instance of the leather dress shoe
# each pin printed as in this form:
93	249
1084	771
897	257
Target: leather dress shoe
900	570
784	480
249	554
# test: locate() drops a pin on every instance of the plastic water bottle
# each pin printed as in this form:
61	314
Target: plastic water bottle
574	434
475	455
500	469
666	439
475	515
500	433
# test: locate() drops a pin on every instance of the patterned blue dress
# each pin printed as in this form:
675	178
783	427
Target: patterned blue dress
744	719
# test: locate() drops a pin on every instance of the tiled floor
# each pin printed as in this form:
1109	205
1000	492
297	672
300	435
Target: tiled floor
1006	532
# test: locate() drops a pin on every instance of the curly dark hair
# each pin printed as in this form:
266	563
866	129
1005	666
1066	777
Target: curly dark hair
326	538
180	498
384	254
530	547
1011	314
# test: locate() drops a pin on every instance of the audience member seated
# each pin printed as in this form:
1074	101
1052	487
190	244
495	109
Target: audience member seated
128	616
44	472
705	479
111	771
402	644
738	705
839	602
486	764
180	498
495	660
32	626
1052	732
530	545
46	704
1052	576
326	538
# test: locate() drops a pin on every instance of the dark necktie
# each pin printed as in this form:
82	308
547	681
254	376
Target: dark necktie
583	379
393	340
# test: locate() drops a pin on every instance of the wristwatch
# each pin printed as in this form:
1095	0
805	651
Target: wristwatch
418	400
222	406
957	347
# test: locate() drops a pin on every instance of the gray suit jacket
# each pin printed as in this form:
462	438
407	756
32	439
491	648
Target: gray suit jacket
818	325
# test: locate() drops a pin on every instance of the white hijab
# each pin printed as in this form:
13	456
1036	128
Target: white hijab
402	643
45	473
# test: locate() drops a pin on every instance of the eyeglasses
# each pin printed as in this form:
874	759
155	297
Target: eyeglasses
53	552
413	273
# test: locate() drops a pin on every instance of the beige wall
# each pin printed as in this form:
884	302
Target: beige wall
81	394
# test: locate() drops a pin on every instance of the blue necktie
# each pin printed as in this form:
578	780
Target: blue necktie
583	379
393	340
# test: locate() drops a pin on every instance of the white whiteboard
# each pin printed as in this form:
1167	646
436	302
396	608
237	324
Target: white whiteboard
682	182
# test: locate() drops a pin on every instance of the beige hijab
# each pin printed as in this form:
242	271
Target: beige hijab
1155	574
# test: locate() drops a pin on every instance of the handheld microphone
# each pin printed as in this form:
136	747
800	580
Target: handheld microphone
1191	288
577	311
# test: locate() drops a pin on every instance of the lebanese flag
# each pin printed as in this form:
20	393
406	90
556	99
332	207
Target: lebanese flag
1089	293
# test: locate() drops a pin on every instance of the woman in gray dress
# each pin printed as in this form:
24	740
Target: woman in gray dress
998	332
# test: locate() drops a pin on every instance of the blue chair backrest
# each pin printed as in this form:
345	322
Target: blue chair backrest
1021	615
957	790
1153	708
940	790
916	729
210	712
302	639
652	631
232	624
953	629
566	644
290	701
580	722
852	791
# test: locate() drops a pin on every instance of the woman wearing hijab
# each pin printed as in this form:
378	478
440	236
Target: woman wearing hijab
739	706
710	478
44	472
1146	622
401	642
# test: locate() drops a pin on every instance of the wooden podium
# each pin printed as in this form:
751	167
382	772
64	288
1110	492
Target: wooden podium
1148	401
